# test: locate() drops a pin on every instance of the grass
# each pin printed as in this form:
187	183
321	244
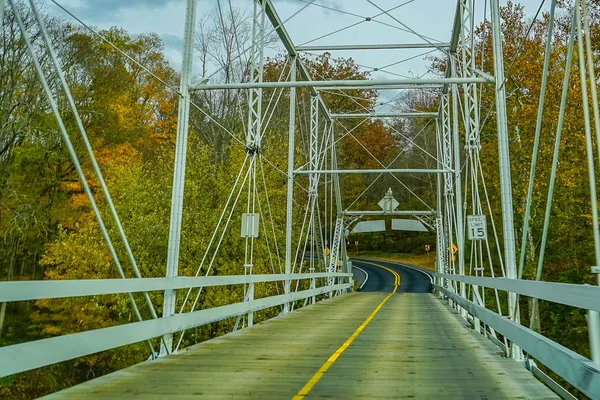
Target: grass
423	260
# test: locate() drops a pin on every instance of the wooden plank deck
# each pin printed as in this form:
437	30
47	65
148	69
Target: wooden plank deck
415	347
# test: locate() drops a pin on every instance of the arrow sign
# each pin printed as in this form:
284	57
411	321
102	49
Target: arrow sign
454	248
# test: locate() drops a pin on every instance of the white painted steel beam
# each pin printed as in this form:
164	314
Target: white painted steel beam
396	212
374	171
55	289
581	296
39	353
367	83
2	8
456	28
506	195
547	380
390	46
289	220
382	87
387	115
181	143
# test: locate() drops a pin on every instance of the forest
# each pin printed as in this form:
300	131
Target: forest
48	229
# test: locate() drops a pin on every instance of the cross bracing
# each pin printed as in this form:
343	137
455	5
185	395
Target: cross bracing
307	253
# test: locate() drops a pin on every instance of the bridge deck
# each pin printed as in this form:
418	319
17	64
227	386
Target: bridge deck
414	347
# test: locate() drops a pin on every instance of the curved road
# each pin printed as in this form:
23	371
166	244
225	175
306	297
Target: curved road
380	280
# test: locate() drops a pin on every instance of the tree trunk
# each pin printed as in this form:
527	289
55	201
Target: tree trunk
2	317
10	274
534	315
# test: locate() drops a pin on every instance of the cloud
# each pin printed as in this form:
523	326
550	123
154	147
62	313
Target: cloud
172	41
328	3
105	9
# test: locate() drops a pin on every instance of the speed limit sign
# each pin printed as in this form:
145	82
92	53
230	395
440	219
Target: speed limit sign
477	227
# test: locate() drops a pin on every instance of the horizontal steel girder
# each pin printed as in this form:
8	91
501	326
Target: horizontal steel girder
383	87
390	46
55	289
366	84
39	353
582	296
397	212
387	115
374	171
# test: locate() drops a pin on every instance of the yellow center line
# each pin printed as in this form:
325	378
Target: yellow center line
396	275
317	376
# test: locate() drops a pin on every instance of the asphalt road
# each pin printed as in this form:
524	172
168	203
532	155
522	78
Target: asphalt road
380	280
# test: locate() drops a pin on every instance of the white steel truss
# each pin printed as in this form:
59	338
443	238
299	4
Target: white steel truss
327	229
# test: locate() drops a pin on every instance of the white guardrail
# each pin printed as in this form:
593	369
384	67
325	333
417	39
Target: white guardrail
579	371
39	353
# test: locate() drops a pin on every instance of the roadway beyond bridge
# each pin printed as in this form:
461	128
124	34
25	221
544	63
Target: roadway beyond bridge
374	278
391	340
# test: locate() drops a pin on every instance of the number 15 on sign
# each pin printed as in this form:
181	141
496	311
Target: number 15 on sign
477	227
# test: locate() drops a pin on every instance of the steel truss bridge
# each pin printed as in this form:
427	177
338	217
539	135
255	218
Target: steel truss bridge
340	344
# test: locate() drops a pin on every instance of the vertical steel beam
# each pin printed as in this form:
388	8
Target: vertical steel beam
2	7
335	176
253	136
254	133
180	165
504	161
460	232
471	123
471	108
439	265
290	182
313	152
314	138
250	297
446	147
338	245
593	318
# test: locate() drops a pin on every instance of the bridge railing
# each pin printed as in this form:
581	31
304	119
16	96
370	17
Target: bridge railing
579	371
40	353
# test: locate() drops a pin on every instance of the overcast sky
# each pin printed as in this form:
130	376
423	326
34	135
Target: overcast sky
432	19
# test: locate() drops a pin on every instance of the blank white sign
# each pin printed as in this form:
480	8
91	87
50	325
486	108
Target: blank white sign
408	225
369	226
250	225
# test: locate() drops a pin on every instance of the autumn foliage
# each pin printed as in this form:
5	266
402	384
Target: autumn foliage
49	231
